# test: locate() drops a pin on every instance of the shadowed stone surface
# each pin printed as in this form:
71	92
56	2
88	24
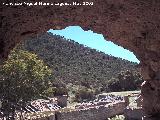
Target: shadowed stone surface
133	24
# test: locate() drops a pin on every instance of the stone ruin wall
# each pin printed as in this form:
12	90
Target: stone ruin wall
99	113
46	118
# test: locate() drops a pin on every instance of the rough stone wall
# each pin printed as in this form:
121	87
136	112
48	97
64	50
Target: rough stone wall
52	117
133	24
99	113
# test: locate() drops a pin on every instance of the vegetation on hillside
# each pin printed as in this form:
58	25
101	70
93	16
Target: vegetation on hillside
126	80
79	65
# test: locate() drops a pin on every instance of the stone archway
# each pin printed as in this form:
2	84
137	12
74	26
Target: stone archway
133	24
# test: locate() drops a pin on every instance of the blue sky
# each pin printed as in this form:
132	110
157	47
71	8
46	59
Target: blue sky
96	41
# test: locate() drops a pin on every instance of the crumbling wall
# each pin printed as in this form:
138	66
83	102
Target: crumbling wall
95	113
99	113
52	117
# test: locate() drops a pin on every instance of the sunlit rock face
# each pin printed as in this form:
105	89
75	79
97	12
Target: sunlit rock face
133	24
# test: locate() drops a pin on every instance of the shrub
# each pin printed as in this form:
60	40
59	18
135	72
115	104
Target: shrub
59	91
84	94
114	85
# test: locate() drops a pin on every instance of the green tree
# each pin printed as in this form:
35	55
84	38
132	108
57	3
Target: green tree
127	80
23	78
114	85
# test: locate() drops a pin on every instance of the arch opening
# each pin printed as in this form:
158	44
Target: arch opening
85	70
132	24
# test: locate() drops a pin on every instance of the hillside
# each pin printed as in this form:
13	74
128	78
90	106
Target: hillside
75	63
